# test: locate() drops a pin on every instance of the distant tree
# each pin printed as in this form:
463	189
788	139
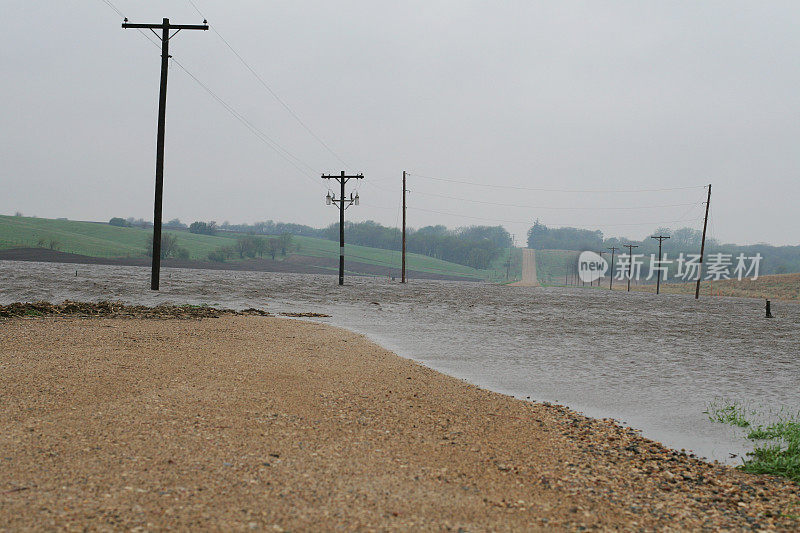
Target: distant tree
203	228
286	243
686	238
663	230
54	244
273	246
433	230
260	245
18	214
175	223
169	246
41	243
217	255
246	246
540	237
138	222
117	221
496	234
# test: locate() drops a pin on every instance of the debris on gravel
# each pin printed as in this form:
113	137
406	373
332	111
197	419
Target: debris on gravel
119	310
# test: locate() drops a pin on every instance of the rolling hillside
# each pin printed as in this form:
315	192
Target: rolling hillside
98	239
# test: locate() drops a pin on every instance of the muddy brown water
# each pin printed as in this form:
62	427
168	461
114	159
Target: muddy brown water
651	362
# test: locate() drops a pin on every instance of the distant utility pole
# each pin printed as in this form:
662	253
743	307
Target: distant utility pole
344	203
165	28
403	269
703	246
659	238
630	248
600	276
611	280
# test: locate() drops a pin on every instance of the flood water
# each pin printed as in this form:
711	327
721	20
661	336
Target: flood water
651	362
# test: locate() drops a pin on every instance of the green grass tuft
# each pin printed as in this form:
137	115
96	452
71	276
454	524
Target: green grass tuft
732	413
777	451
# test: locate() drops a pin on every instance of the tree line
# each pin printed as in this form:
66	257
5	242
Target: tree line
248	246
473	246
776	259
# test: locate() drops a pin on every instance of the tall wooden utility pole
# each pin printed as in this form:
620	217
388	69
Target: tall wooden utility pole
403	269
630	248
659	238
703	246
165	28
611	280
344	203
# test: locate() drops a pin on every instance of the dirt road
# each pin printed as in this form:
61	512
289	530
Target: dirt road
272	424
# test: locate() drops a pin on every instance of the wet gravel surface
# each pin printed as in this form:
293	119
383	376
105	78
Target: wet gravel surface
256	423
650	362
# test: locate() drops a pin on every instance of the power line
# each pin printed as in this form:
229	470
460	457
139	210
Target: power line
564	208
543	189
552	224
284	153
112	6
379	207
272	92
263	137
280	150
143	33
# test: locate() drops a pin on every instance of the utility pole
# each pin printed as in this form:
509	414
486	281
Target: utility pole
630	248
403	269
165	28
703	246
600	276
611	280
344	203
659	238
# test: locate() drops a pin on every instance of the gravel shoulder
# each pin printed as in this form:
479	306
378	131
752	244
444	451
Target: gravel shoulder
253	422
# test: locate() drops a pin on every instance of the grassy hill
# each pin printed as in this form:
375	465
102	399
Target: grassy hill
99	239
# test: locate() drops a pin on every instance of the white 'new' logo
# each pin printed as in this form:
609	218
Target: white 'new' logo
591	267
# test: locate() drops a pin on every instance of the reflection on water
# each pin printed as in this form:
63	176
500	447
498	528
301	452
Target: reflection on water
651	362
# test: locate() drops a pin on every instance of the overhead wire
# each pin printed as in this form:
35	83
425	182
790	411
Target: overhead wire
297	163
293	160
280	150
564	208
528	221
270	90
545	189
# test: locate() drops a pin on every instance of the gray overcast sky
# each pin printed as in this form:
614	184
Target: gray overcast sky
560	95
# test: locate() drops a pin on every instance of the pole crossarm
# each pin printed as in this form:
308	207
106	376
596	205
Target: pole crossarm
167	26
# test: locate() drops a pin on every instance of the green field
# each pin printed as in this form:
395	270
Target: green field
96	239
99	239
